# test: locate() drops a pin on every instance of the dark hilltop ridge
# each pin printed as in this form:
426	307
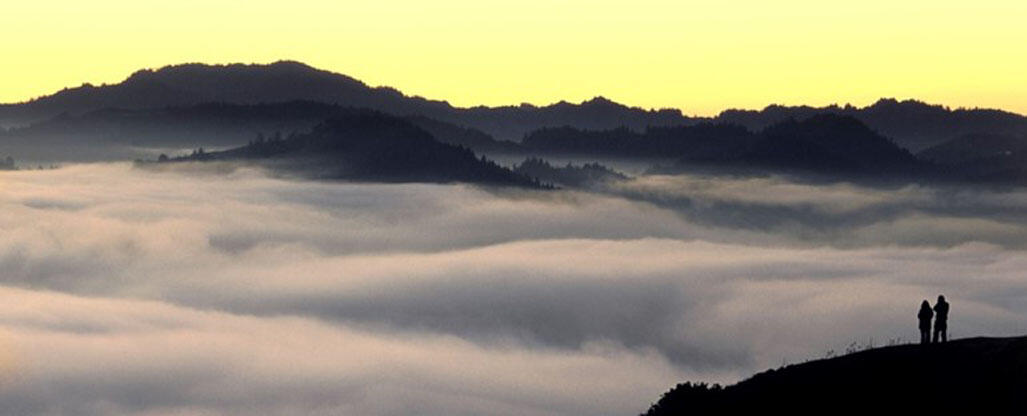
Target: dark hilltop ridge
191	84
982	157
219	106
365	145
913	125
209	125
975	376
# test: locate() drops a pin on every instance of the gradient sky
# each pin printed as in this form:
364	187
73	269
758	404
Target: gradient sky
700	56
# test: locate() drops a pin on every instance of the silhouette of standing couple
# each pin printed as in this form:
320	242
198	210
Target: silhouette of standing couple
941	320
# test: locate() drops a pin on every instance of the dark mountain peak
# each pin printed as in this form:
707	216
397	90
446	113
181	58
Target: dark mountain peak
599	102
821	124
913	124
561	104
829	143
885	102
194	83
893	105
198	68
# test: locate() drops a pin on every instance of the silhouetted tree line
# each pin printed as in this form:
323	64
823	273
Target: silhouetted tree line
369	145
914	124
823	143
568	175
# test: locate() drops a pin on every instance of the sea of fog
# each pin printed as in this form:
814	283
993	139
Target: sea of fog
223	291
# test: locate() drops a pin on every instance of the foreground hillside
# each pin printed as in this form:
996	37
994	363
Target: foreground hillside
969	376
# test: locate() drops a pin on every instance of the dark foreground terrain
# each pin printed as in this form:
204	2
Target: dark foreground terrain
977	376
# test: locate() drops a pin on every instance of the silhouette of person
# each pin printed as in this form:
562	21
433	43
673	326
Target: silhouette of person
925	316
941	319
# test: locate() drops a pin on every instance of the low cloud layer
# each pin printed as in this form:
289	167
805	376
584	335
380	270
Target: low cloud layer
222	291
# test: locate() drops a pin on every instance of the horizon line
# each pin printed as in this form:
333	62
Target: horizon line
598	96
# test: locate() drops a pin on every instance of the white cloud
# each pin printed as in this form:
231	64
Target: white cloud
126	291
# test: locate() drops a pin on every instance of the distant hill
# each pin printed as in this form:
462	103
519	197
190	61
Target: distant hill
96	135
828	143
368	146
978	376
569	175
982	157
191	84
823	144
913	124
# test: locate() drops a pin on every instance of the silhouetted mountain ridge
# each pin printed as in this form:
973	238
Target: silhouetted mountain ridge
191	84
822	144
371	146
913	124
217	125
982	157
828	143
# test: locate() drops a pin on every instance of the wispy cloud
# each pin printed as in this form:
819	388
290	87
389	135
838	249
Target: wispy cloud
127	291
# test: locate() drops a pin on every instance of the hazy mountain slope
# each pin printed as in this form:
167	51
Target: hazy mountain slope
973	147
831	144
982	157
970	376
570	175
912	124
823	144
370	146
210	125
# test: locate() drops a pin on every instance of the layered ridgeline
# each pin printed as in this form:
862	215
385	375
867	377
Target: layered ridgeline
982	157
105	134
913	125
822	144
825	144
189	106
828	145
978	376
364	145
191	84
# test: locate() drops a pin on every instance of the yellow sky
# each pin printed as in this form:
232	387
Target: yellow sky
700	56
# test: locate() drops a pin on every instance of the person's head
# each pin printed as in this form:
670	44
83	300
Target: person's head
925	305
941	298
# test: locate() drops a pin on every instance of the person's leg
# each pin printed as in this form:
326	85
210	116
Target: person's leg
944	335
935	340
